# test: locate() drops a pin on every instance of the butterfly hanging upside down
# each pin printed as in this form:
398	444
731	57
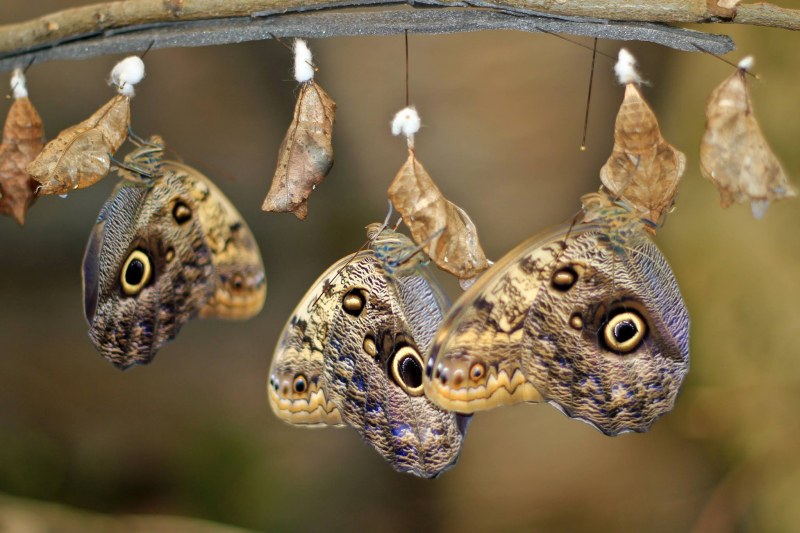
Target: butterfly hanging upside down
168	246
352	354
586	316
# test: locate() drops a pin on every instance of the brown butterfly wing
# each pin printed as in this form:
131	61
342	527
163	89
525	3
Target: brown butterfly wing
374	358
574	349
150	265
533	328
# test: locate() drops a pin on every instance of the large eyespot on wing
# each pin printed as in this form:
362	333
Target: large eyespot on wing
406	370
136	273
373	372
612	350
145	275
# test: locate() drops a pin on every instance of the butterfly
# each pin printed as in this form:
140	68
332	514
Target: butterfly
352	353
586	316
168	246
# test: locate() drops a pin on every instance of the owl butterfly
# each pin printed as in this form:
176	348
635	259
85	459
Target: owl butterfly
165	249
352	354
585	316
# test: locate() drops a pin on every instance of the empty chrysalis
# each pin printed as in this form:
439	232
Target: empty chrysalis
306	154
81	155
643	169
443	229
734	154
23	139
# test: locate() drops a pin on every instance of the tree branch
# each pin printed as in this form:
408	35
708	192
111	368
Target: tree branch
126	26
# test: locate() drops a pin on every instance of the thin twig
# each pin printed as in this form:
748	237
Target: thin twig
101	17
119	27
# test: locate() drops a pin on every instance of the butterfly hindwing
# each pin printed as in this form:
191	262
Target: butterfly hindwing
149	266
296	393
608	341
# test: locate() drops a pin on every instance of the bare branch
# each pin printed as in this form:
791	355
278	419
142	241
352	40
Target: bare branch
126	26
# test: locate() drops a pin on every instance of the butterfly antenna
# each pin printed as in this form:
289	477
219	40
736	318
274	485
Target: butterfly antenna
386	220
139	141
576	218
420	247
129	168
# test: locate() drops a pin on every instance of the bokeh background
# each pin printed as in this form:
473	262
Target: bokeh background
192	435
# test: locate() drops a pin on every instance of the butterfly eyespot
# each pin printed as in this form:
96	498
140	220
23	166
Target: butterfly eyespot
170	255
407	370
624	332
237	282
564	278
136	273
354	301
181	212
477	371
442	374
370	348
576	321
299	385
429	368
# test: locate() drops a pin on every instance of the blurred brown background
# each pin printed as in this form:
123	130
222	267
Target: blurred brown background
192	434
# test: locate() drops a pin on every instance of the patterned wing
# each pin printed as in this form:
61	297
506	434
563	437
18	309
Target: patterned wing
586	318
381	330
295	391
149	266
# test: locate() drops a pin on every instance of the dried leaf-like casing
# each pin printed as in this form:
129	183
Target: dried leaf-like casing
81	155
734	154
443	229
23	139
306	154
643	169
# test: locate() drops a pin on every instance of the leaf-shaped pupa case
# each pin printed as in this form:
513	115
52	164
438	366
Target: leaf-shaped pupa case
734	154
306	154
23	139
443	229
352	353
163	251
80	155
644	169
586	316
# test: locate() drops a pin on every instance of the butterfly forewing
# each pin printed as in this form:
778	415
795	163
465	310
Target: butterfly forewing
295	390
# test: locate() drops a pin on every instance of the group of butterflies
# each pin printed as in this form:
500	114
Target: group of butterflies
586	316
